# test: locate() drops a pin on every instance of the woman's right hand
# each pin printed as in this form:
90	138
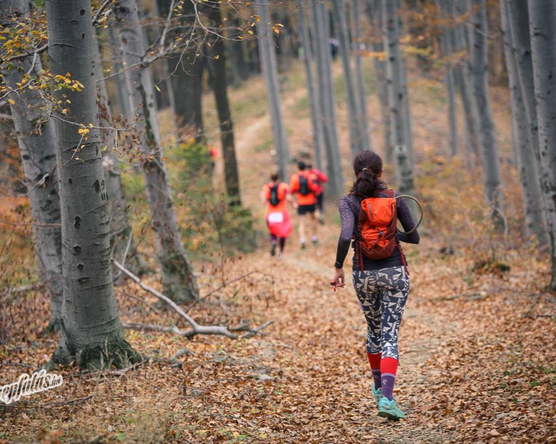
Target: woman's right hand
339	278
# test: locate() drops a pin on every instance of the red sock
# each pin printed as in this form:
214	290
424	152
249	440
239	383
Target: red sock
374	360
389	365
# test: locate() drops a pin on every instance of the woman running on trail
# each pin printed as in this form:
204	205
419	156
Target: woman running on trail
381	285
278	220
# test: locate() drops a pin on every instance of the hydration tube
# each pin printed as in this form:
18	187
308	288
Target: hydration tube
420	208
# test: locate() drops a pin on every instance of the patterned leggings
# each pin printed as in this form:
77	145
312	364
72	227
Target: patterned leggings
382	296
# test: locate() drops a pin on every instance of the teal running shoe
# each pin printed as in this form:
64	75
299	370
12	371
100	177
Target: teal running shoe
389	409
377	394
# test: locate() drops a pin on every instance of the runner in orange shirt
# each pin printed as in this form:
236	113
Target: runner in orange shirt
321	179
275	195
304	185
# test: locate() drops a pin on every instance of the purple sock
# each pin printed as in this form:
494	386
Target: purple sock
376	378
388	380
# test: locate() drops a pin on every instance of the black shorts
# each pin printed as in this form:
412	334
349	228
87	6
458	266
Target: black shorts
304	209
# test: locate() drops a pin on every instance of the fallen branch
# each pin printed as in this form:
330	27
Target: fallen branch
22	289
196	329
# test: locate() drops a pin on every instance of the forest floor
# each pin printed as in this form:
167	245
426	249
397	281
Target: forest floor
477	364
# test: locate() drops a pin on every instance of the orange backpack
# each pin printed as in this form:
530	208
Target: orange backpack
377	227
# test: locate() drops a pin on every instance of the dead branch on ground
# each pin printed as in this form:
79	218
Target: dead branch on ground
196	329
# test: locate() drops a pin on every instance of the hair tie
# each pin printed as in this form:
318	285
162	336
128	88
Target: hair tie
364	169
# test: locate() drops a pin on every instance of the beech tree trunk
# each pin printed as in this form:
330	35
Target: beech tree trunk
121	237
377	45
543	46
359	75
527	163
316	122
356	135
397	98
186	68
179	280
270	71
446	8
220	87
91	333
37	147
487	133
463	43
326	100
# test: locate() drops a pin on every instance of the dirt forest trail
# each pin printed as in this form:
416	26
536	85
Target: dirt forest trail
443	333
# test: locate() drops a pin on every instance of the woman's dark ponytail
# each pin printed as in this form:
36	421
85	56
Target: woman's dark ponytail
367	166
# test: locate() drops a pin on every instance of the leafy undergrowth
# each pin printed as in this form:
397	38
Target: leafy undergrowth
477	361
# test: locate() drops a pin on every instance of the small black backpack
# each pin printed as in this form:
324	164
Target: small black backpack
274	199
304	188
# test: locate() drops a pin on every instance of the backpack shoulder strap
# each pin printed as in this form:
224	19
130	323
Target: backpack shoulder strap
390	193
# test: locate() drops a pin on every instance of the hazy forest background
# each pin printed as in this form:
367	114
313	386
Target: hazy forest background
135	137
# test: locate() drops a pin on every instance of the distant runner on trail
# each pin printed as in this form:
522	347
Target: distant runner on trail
321	179
278	220
304	185
369	215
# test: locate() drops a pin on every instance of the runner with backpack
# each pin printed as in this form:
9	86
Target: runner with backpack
304	185
321	179
369	214
275	195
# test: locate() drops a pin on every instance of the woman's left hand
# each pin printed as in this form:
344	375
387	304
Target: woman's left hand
339	278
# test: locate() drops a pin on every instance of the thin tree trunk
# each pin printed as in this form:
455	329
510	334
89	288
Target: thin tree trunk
463	33
543	46
121	236
313	98
527	164
397	97
354	116
37	147
487	133
326	100
186	68
359	75
406	109
445	6
268	65
91	332
379	64
179	279
119	80
220	87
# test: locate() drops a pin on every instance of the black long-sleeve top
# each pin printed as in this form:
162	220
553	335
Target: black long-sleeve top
350	206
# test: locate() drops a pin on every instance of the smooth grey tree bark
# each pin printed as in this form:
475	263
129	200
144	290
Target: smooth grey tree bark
91	333
408	120
179	279
270	71
217	65
487	133
186	67
446	9
397	98
121	236
359	75
356	135
37	147
318	138
379	64
465	83
326	100
527	162
543	46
